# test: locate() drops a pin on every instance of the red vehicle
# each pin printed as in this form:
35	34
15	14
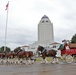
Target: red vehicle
68	52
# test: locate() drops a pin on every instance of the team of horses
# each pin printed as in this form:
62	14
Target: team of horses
20	56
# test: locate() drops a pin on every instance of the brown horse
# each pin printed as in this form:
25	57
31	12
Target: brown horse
45	53
2	55
10	55
23	54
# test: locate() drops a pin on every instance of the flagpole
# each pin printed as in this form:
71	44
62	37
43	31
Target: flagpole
6	26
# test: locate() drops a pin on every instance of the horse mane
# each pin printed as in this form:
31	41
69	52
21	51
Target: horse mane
41	48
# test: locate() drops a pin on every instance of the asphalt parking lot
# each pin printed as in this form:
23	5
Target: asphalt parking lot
39	69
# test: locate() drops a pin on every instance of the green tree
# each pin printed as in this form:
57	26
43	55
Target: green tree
6	51
73	39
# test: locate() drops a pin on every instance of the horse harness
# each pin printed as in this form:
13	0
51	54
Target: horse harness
44	51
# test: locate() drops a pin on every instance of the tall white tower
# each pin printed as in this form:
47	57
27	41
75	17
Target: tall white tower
45	31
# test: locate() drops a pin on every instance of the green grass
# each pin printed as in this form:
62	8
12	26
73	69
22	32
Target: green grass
47	58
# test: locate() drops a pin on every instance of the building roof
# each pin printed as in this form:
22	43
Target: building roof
45	17
25	46
54	43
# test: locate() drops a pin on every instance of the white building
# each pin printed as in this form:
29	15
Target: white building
54	45
45	31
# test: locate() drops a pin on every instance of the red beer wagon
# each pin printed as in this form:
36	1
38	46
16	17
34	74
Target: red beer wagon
68	52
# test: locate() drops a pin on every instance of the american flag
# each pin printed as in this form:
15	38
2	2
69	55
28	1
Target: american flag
7	6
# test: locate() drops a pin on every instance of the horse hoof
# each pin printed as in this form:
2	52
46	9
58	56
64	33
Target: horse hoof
57	62
52	62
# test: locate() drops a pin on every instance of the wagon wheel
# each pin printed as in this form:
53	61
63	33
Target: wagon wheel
69	59
63	58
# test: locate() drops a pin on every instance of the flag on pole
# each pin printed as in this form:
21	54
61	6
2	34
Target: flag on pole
7	6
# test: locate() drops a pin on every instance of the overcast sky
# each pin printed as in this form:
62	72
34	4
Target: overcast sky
24	16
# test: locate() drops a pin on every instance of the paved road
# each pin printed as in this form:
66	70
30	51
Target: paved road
39	69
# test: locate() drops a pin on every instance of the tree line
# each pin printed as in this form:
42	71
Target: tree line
6	51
